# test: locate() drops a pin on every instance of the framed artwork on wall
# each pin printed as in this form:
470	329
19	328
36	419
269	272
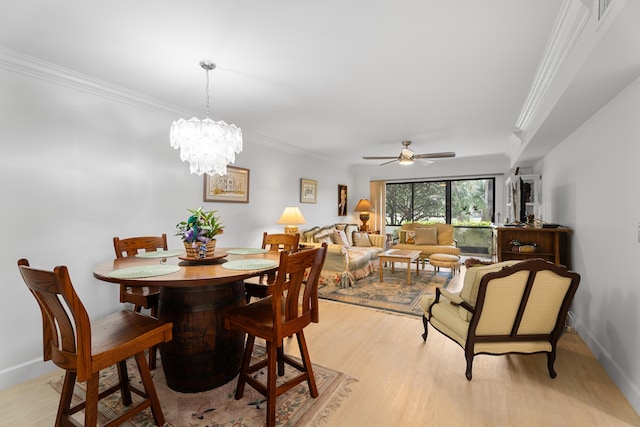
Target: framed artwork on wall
230	188
308	190
342	200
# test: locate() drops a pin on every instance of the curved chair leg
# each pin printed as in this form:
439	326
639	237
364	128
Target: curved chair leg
551	358
469	357
425	322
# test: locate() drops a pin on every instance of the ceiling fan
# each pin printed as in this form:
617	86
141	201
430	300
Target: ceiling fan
407	156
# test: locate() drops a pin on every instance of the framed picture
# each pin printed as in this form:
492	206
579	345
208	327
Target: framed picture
342	200
308	190
230	188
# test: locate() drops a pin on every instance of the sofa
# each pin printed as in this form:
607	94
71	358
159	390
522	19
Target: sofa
429	239
351	254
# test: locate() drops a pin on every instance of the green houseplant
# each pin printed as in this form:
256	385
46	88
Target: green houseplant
200	230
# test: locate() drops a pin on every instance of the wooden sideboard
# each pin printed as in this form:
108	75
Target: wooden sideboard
552	244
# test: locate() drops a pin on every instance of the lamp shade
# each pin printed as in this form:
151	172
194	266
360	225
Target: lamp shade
291	215
364	206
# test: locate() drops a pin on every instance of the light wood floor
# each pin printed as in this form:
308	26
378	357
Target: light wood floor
404	382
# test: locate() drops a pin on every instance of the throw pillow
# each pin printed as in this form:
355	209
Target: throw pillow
410	237
339	238
361	239
426	236
445	236
348	230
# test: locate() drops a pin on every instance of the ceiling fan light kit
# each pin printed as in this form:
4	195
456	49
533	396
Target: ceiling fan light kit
408	157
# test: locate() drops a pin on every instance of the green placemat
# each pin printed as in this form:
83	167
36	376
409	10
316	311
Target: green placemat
143	271
246	251
249	264
161	254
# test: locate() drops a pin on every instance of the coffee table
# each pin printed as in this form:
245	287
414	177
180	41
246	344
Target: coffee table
400	255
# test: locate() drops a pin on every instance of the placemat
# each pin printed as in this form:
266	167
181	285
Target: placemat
143	271
249	264
246	251
161	254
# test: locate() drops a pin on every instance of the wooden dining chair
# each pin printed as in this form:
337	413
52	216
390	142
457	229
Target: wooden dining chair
258	286
147	297
83	348
291	306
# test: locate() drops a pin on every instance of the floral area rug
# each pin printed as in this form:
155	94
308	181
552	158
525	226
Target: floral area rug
393	294
218	407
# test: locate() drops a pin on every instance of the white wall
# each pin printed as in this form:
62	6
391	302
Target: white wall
78	168
590	183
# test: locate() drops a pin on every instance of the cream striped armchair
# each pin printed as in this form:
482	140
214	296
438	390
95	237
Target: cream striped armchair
508	307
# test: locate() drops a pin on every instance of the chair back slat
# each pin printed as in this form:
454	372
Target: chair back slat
276	242
66	327
295	295
133	245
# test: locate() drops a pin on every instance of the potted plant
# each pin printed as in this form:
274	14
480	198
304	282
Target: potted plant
198	232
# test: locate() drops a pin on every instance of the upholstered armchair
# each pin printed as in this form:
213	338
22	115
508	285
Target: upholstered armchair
508	307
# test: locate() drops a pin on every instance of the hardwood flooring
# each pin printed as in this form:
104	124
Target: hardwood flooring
403	381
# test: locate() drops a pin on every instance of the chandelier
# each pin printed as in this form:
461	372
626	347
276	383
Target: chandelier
207	145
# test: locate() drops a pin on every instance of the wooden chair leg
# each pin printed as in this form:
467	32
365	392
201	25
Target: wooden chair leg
149	387
153	351
272	358
64	407
91	403
469	357
306	361
425	322
551	358
125	389
280	352
246	359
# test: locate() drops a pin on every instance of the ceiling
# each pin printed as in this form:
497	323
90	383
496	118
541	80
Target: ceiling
355	77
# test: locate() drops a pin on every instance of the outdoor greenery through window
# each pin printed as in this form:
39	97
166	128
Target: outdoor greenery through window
464	203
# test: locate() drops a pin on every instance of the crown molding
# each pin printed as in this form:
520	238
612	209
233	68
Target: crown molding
41	70
570	24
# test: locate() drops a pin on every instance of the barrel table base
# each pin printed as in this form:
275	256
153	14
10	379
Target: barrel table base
202	355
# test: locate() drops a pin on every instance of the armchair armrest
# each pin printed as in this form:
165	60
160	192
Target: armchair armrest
455	299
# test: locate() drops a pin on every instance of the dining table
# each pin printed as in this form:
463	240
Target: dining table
194	295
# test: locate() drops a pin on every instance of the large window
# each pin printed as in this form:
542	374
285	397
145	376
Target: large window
464	202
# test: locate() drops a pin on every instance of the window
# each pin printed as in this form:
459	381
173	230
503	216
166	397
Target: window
458	202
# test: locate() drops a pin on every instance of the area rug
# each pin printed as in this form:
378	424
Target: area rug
218	407
391	295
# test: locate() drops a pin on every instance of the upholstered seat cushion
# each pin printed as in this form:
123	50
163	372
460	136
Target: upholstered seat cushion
445	260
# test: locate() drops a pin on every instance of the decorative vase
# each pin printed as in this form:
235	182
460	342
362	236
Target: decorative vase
196	252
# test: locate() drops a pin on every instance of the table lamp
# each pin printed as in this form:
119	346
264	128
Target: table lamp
291	217
364	207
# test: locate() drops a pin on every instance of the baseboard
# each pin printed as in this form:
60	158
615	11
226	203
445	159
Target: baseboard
630	390
24	372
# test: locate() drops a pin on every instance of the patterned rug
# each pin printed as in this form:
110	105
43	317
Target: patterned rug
218	407
393	294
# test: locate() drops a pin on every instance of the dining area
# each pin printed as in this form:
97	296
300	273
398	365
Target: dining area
215	304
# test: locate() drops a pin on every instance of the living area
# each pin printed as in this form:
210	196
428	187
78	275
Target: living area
96	162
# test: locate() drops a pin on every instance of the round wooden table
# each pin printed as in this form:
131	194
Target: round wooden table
202	355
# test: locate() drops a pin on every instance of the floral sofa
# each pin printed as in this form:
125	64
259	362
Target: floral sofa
429	239
351	254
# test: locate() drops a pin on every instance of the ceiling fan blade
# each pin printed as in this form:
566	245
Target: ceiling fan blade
390	161
379	157
435	155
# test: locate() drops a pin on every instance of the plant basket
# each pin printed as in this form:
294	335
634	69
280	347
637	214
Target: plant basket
195	252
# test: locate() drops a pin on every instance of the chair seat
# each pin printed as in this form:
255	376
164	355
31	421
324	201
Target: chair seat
127	332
